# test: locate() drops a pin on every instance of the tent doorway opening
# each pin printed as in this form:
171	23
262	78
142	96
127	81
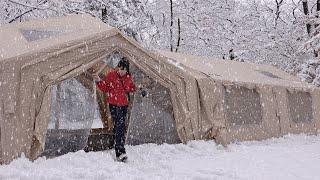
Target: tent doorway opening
80	117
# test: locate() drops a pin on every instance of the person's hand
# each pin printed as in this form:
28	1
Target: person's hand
98	67
96	77
139	86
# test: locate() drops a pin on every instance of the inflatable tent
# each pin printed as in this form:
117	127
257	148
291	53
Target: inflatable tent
208	99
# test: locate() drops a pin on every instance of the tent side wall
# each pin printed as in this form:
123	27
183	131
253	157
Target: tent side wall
249	113
280	108
301	111
266	103
10	124
225	110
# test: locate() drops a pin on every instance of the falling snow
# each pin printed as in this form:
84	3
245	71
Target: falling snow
270	32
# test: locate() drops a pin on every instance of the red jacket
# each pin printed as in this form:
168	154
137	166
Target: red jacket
117	87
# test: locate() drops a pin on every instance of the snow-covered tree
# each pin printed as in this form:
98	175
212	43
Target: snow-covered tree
262	31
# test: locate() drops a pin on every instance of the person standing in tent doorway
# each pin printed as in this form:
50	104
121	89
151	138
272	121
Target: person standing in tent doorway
118	83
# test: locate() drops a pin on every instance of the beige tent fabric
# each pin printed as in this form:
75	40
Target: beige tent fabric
200	87
273	87
233	71
288	124
67	28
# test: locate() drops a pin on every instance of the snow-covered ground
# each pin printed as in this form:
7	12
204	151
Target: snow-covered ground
290	157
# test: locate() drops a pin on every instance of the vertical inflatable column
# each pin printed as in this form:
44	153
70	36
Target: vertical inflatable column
1	114
316	109
1	160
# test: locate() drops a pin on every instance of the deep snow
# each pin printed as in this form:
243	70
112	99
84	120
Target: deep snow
291	157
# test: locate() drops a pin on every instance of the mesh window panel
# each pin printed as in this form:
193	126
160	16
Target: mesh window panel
269	74
300	106
151	118
36	34
242	106
72	114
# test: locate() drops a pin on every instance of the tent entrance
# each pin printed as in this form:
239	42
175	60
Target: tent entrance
151	117
75	113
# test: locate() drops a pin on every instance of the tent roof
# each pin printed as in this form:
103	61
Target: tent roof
234	71
20	38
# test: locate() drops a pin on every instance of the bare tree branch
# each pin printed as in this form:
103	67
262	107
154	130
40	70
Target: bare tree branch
171	26
31	6
25	12
20	15
179	35
278	3
306	13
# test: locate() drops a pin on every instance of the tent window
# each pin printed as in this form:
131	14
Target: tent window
300	106
35	34
269	74
242	106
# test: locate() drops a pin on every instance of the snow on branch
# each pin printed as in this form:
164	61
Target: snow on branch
29	10
31	6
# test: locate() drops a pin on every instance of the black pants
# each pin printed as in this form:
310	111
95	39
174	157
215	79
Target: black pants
118	114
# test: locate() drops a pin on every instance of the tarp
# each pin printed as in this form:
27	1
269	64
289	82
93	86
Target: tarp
211	99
